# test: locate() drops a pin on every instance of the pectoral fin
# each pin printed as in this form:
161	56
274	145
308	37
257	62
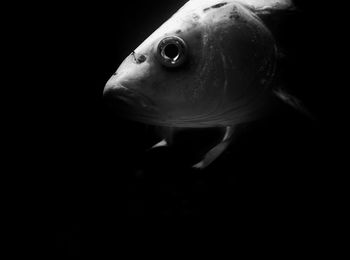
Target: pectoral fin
216	151
167	134
162	143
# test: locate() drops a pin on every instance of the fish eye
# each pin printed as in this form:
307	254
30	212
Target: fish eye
172	51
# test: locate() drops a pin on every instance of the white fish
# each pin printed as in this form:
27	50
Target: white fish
211	64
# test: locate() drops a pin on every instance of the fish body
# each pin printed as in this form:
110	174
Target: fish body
211	64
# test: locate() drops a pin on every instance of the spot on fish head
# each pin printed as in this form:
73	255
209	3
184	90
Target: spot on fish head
234	14
195	17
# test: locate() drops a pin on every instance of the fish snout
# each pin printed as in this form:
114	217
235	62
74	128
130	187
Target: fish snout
112	90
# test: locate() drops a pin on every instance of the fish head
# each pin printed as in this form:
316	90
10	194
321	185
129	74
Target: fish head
200	68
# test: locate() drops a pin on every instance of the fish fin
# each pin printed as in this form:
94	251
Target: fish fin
166	133
216	151
293	102
162	143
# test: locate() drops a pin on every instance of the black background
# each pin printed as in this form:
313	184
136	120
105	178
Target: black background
93	165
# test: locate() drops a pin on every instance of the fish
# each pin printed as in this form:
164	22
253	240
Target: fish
211	65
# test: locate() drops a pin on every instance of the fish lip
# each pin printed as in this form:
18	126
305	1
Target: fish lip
129	100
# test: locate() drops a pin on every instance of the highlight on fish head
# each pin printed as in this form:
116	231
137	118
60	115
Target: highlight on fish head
210	64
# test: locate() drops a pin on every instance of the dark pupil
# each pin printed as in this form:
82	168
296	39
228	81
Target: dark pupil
171	51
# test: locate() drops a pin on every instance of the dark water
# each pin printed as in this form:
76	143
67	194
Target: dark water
95	165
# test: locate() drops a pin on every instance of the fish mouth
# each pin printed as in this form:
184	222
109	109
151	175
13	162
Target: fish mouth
129	103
